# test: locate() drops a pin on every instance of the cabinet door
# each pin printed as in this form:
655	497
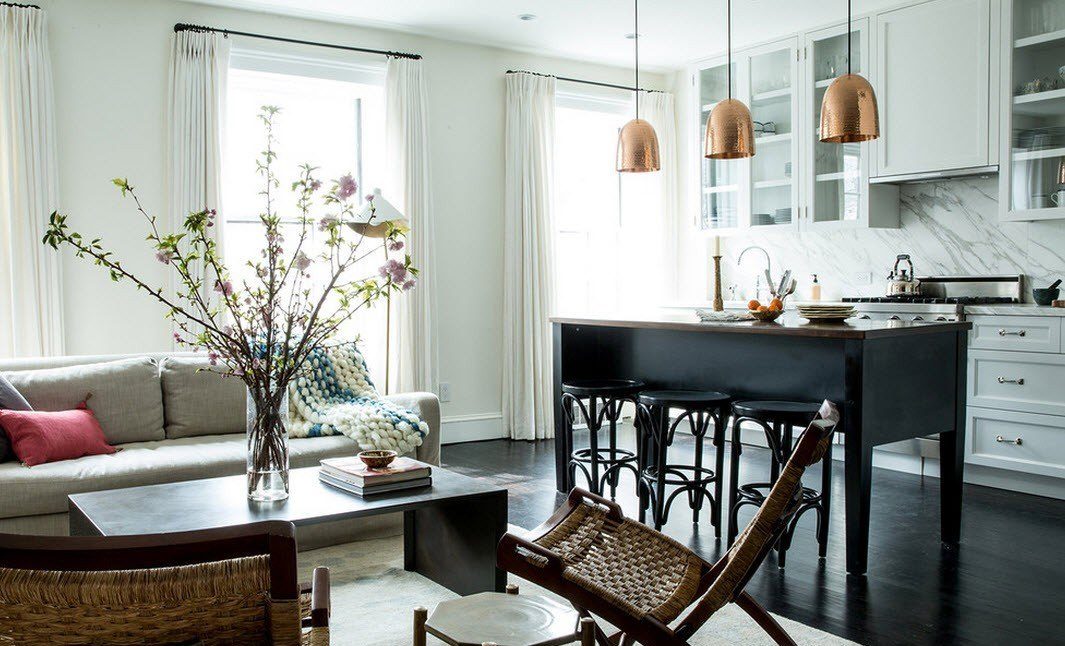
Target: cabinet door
933	81
772	71
724	200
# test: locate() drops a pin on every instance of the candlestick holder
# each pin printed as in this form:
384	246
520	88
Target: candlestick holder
719	303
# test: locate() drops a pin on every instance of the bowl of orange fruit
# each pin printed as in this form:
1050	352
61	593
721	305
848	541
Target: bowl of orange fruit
766	313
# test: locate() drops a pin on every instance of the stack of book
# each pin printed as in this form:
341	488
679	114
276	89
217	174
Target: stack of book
351	475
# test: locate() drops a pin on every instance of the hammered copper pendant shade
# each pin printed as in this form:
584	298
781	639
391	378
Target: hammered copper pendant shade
729	131
848	111
638	148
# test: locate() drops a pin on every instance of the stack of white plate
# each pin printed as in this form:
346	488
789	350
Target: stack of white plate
825	311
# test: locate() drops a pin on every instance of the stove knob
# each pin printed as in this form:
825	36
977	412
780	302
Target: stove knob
864	316
941	318
894	317
918	318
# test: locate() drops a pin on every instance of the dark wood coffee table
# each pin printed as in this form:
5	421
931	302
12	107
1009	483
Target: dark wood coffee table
450	529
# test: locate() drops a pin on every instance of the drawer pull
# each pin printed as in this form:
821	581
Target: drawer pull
1002	332
1019	441
1019	382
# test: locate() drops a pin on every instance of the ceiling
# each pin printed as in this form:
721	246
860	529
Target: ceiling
673	32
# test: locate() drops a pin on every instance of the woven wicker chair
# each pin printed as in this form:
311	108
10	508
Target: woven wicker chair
221	586
641	581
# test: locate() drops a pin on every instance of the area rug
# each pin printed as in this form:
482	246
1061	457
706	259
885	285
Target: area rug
373	597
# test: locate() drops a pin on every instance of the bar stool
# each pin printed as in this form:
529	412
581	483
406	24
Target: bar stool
605	397
776	419
699	408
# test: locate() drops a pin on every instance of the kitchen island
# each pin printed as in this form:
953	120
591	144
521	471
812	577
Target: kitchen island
892	380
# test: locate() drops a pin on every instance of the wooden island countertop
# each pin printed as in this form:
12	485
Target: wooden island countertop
789	324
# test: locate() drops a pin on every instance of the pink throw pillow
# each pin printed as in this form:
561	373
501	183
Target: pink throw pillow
43	436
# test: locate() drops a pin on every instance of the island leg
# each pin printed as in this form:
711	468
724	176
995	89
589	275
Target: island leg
858	474
952	454
563	439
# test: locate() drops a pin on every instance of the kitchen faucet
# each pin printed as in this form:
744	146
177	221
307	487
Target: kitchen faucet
758	277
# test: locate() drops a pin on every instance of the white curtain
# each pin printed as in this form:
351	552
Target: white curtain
650	211
199	67
528	263
31	309
413	349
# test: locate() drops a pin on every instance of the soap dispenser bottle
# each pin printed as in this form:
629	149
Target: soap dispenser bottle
815	290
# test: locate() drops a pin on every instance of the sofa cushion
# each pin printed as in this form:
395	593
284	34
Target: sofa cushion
44	489
40	436
125	395
197	401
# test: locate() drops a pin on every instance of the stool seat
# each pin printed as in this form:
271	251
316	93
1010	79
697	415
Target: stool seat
794	413
602	387
683	398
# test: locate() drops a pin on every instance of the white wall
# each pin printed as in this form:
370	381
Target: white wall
110	59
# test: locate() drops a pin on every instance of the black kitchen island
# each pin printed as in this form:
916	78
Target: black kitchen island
892	380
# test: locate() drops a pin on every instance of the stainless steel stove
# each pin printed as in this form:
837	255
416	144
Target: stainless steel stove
942	298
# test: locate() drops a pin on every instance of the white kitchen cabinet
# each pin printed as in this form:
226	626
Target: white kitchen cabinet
1026	442
932	76
1032	175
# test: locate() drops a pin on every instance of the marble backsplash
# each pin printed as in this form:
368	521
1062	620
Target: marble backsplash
948	228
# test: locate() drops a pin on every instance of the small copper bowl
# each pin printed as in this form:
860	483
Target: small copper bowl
766	316
377	459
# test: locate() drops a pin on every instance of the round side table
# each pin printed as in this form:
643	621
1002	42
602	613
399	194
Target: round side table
495	619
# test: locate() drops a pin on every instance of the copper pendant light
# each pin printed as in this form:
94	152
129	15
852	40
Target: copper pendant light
729	130
638	142
848	109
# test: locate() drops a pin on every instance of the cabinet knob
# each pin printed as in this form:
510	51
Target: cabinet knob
1019	382
1018	441
1015	333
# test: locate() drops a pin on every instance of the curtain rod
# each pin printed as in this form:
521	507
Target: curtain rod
584	82
229	32
20	6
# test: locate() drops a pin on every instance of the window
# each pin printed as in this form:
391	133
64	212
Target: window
607	226
332	116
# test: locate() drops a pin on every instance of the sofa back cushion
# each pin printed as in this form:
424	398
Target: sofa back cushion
198	401
125	395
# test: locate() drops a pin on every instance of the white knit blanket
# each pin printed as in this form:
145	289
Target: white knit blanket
334	396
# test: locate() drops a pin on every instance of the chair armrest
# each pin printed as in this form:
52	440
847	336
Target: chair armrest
320	598
515	554
576	496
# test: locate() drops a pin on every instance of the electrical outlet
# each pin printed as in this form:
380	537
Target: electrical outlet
863	278
445	391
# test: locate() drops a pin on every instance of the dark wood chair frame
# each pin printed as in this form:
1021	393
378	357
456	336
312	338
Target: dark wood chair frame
277	539
523	557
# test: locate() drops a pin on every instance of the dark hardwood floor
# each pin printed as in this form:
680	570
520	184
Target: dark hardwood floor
1005	584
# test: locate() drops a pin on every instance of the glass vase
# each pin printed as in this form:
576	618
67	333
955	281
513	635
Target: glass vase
267	445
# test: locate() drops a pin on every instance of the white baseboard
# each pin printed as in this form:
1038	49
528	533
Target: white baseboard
471	428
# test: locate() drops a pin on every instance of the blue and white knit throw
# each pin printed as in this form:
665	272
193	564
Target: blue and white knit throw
334	396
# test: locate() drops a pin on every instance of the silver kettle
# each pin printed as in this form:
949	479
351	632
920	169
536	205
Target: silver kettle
901	282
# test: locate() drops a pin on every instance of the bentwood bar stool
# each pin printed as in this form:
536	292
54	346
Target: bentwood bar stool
597	402
777	419
699	409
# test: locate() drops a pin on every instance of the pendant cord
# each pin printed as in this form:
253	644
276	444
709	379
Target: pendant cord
848	37
636	37
728	39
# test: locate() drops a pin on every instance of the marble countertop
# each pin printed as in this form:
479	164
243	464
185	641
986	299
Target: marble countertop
1017	309
790	324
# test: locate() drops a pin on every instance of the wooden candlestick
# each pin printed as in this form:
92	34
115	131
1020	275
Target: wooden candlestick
719	303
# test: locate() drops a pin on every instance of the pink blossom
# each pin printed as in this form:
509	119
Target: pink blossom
315	185
327	222
164	256
212	356
302	261
369	197
393	270
395	245
224	287
346	187
177	337
409	284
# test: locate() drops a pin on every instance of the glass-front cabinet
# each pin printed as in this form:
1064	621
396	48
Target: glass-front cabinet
793	180
837	184
1033	74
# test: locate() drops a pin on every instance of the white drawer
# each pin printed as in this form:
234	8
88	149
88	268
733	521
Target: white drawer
1017	441
1022	381
1025	333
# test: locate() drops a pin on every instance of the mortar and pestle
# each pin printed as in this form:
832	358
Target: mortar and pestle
1047	295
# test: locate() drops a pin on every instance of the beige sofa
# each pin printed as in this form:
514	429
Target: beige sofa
172	422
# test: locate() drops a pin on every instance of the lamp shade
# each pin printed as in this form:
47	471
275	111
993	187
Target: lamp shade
373	218
848	111
729	131
638	148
